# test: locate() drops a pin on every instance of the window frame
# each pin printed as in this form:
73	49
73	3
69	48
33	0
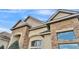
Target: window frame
66	31
36	46
67	43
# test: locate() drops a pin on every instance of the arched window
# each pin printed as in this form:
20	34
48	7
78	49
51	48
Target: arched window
15	45
2	47
36	43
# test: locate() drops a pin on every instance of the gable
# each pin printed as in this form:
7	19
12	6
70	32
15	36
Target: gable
29	21
17	24
61	13
20	24
33	22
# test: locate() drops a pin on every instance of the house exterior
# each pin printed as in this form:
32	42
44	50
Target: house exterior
59	32
4	40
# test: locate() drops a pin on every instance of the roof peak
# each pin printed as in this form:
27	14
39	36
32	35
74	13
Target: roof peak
68	11
33	18
63	11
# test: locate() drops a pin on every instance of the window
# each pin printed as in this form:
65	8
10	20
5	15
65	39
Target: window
68	35
15	45
36	43
2	47
69	46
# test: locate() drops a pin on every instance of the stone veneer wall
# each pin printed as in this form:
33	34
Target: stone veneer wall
24	40
65	25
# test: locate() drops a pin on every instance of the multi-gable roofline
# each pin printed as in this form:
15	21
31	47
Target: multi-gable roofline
24	21
72	14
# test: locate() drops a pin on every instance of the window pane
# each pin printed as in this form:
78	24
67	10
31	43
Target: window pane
36	43
2	47
33	43
15	45
66	35
68	46
39	43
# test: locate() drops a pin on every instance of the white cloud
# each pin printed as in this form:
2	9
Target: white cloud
4	29
13	10
45	12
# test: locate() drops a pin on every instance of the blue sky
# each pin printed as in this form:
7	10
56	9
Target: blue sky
8	17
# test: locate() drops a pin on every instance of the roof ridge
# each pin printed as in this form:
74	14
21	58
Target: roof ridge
33	18
68	10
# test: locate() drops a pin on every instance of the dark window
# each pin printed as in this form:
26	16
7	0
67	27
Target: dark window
15	45
2	47
68	35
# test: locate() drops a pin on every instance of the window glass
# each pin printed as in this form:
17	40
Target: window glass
2	47
15	45
36	43
68	35
69	46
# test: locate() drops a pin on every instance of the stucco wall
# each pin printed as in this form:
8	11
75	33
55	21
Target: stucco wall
59	15
37	31
36	38
33	22
47	42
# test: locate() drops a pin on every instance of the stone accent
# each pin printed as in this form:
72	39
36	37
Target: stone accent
24	40
65	25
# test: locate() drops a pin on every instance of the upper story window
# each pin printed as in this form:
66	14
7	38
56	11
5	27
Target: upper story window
69	46
67	35
36	43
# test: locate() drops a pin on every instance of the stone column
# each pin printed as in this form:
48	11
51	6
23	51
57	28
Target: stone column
26	38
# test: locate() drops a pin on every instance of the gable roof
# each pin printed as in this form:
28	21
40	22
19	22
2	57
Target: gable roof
65	18
62	11
5	36
24	22
16	24
33	22
33	18
19	24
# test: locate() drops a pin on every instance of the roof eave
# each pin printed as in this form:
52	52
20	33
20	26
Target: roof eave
62	10
62	19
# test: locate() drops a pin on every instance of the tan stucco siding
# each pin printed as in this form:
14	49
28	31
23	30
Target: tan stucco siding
33	22
37	31
59	15
19	30
47	42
